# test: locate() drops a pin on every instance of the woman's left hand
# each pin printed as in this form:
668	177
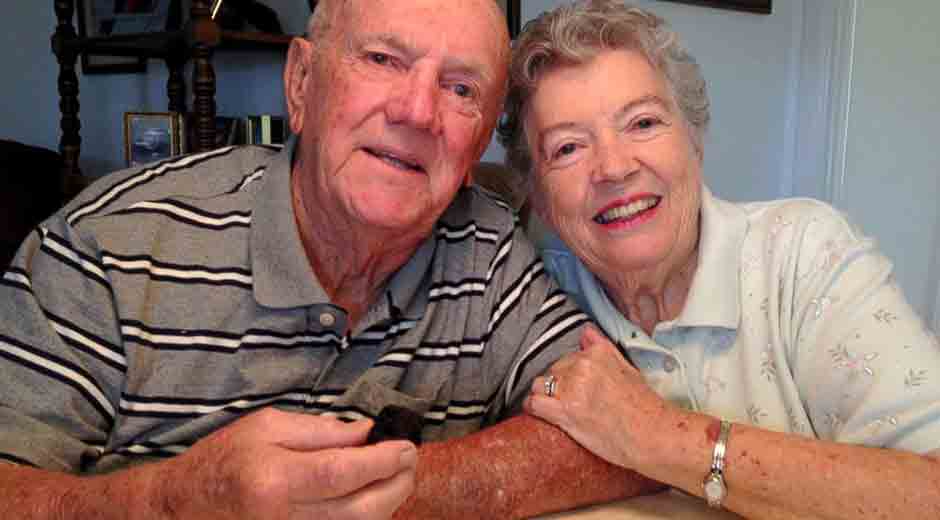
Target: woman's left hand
602	402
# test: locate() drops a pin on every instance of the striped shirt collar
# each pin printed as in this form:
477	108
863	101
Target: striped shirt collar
282	275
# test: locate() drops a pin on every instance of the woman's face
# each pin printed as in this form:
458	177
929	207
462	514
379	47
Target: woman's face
615	170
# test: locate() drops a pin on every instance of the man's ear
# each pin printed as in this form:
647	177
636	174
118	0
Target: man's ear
298	73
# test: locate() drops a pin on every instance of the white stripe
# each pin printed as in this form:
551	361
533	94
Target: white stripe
463	233
455	411
458	290
249	339
546	336
138	449
399	357
84	340
487	236
66	372
558	299
18	277
175	273
251	178
355	416
443	352
185	213
144	176
175	408
188	339
514	295
72	255
394	329
503	251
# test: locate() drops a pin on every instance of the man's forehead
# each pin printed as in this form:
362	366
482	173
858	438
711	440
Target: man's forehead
472	31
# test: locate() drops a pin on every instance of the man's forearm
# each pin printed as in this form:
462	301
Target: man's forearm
519	468
33	494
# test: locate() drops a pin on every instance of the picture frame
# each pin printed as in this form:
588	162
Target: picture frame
513	10
751	6
103	18
152	136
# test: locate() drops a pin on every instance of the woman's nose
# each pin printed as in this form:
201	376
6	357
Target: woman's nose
415	102
617	161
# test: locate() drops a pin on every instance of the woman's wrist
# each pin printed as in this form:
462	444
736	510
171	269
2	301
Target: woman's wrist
680	448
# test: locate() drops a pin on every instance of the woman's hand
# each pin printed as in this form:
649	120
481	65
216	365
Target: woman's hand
602	402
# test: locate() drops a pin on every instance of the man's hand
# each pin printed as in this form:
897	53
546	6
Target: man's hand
278	465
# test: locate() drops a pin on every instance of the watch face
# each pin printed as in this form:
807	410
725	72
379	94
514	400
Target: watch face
714	489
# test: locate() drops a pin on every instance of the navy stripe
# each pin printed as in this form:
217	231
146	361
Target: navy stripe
197	280
499	260
141	179
52	237
256	175
190	222
84	348
548	342
16	460
56	376
517	283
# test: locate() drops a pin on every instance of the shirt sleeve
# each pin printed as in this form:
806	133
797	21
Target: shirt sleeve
867	367
61	363
534	323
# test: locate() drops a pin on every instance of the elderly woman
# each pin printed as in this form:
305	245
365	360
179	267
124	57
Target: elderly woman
772	364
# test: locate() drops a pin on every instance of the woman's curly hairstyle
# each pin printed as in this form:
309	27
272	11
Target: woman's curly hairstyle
574	34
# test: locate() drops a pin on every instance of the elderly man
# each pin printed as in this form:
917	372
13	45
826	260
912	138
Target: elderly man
350	272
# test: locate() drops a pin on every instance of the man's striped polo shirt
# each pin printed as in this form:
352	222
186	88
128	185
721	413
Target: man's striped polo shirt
167	301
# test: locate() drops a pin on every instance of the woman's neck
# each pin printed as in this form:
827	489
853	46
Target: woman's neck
652	296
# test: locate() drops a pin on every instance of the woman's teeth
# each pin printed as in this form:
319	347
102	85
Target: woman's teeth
627	211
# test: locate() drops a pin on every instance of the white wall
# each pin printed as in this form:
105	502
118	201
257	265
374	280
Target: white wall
891	181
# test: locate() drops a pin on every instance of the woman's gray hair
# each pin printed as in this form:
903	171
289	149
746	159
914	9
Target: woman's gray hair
576	33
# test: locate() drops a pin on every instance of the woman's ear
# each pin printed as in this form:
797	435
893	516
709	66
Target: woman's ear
298	74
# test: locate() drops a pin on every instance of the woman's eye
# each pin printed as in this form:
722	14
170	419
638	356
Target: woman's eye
646	123
565	149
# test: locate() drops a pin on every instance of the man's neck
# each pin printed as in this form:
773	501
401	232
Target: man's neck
352	265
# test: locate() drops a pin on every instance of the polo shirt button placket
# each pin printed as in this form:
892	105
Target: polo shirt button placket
327	320
669	364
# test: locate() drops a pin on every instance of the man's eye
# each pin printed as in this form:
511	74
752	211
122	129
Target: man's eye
462	90
379	58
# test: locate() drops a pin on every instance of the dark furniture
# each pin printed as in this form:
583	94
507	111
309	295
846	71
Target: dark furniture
196	41
31	178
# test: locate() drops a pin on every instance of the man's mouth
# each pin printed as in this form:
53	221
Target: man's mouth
396	161
627	212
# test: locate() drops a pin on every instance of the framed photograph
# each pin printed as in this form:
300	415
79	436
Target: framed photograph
513	10
752	6
152	136
102	18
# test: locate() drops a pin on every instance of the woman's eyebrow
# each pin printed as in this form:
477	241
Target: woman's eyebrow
649	99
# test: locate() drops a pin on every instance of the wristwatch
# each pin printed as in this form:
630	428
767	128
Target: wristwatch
714	484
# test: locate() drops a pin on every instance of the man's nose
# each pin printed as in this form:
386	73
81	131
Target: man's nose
617	160
416	101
